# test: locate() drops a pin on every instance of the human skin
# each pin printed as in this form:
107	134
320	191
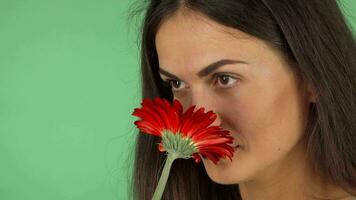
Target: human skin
260	100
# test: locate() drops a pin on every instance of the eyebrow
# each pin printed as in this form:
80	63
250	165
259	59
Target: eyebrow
208	69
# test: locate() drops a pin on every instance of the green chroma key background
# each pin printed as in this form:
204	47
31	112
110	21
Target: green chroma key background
69	80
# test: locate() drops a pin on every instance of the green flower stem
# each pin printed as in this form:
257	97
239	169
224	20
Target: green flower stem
164	176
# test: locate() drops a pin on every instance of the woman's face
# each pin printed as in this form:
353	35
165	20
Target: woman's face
249	85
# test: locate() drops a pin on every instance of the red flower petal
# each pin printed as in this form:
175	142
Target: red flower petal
198	121
196	157
148	113
178	107
161	147
147	128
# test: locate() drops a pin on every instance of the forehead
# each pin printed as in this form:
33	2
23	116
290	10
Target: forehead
194	25
189	38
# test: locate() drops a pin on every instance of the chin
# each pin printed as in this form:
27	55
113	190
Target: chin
222	173
221	181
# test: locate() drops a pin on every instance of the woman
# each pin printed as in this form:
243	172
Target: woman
280	75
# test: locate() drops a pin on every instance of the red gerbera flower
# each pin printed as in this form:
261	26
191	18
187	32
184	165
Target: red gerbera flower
184	134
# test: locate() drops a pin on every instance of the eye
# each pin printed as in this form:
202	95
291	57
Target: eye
224	80
175	85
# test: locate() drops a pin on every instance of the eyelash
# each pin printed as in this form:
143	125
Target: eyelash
215	77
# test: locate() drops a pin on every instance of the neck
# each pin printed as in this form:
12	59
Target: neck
291	179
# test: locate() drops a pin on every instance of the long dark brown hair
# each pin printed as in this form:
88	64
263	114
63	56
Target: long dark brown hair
316	39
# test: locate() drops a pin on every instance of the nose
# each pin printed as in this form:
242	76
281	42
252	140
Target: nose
208	102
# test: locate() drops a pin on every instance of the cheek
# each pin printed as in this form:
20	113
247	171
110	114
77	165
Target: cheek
274	122
270	119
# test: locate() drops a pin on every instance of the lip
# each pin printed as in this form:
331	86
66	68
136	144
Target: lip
237	150
236	146
236	142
